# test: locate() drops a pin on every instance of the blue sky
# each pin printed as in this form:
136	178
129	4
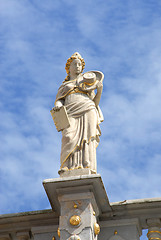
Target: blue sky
120	38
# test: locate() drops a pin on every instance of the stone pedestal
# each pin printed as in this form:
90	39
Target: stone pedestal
83	208
76	172
79	200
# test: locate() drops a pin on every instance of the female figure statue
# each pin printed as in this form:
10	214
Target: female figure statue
80	139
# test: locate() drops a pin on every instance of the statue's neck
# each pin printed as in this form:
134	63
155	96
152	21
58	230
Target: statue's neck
75	76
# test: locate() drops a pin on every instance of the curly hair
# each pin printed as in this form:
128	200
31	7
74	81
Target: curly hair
76	55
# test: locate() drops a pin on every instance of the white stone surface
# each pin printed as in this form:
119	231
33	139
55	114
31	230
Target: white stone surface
75	184
60	118
79	199
85	210
80	139
122	224
43	224
76	172
124	232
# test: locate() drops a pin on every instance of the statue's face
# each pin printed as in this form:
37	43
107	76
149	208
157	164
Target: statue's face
75	67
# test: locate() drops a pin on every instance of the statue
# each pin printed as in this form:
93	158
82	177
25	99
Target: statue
76	109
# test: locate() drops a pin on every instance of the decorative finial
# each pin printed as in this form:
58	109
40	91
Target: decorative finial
75	205
58	232
96	228
76	55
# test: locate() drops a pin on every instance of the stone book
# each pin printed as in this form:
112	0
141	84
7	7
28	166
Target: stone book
60	118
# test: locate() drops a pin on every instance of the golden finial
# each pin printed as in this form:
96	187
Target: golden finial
115	232
96	228
75	205
58	232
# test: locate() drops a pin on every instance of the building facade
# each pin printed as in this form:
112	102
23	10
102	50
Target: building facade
81	210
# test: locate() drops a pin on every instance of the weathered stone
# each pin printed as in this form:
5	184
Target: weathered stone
80	200
77	115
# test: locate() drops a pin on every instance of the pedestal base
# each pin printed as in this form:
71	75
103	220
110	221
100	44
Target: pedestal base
76	172
79	200
75	184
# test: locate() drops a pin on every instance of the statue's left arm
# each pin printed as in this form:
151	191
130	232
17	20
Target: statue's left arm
98	94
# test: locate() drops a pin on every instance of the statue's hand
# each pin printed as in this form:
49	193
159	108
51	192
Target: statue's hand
99	87
58	105
56	108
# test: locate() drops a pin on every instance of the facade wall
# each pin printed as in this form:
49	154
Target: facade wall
124	225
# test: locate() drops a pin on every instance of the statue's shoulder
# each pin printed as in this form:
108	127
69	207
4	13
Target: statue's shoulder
66	82
65	87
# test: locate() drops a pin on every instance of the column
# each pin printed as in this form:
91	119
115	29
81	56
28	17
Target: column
79	200
154	231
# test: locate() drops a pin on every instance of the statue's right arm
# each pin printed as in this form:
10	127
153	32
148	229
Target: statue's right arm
58	104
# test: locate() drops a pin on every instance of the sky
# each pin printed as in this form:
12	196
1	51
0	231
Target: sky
121	38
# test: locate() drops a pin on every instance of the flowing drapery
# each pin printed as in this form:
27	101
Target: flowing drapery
79	141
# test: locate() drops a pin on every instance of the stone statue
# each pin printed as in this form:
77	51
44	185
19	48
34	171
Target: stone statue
80	137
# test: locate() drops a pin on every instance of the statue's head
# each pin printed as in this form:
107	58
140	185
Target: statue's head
75	57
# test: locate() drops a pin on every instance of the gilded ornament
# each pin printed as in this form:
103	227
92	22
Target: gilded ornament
53	238
75	220
115	232
154	238
96	228
58	232
153	232
94	213
75	205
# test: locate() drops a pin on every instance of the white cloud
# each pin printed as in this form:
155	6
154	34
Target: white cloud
124	43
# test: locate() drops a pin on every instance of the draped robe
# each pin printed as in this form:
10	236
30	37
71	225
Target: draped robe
80	139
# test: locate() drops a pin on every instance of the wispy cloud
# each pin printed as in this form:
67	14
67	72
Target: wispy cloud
123	41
